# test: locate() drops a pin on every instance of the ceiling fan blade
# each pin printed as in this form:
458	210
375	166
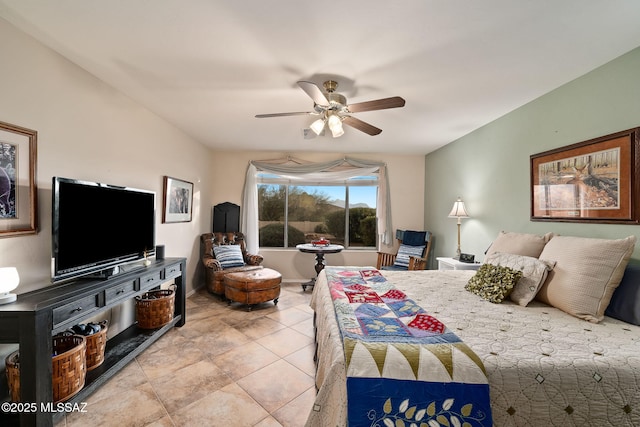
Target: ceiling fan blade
301	113
361	126
378	104
314	92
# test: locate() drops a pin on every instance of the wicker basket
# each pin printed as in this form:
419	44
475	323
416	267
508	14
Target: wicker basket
69	368
13	376
96	343
155	309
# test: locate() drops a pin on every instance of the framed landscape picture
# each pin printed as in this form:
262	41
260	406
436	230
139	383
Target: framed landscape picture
178	200
18	193
591	181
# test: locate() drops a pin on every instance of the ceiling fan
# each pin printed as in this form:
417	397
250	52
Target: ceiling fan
334	111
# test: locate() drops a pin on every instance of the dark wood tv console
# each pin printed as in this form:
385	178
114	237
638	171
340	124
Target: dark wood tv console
36	316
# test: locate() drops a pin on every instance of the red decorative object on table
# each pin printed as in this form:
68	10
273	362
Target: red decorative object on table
320	242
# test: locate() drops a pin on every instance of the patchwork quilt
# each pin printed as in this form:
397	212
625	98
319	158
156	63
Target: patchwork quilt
403	366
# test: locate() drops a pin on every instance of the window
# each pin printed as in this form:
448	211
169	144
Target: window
347	172
343	212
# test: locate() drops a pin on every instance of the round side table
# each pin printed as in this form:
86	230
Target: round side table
319	251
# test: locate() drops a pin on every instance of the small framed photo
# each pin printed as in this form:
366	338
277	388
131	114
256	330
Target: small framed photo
591	181
178	200
18	192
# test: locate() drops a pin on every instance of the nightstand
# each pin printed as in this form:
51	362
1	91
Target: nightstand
445	263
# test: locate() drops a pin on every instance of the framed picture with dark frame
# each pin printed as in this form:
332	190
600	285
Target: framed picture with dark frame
591	181
178	200
18	192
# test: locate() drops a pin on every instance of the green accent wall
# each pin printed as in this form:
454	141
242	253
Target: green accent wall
489	168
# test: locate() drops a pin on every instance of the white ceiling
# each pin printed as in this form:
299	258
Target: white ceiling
208	66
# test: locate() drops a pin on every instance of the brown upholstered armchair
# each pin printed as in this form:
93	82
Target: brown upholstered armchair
214	270
413	253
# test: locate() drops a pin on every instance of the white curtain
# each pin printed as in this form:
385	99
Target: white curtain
336	170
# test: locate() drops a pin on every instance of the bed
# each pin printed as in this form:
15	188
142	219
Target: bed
544	367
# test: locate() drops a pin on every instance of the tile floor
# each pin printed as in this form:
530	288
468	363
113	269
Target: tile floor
225	367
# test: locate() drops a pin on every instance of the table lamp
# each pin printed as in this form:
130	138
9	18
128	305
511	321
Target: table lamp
9	280
458	211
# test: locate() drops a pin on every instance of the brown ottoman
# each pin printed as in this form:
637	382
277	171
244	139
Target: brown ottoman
252	287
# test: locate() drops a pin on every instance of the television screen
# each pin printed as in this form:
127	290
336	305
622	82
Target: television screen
98	226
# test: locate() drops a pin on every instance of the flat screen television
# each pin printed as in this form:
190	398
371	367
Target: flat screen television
96	227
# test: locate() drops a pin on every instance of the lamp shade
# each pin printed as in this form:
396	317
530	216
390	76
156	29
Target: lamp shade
9	280
335	124
317	126
458	210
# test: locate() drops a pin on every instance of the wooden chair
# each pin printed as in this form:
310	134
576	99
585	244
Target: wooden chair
416	249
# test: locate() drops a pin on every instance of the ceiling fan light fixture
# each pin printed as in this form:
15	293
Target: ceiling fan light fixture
335	124
333	109
317	126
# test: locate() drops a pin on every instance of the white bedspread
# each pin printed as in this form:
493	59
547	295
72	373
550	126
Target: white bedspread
545	367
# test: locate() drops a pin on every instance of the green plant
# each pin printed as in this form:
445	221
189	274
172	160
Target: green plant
272	236
359	233
335	223
321	229
368	231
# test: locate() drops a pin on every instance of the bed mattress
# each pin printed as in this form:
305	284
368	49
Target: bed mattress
545	367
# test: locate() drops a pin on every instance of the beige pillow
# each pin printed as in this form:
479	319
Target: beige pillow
587	272
519	244
534	272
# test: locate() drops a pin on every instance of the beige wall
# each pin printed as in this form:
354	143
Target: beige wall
87	130
407	202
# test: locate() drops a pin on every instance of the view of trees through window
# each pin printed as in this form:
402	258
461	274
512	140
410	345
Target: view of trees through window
344	214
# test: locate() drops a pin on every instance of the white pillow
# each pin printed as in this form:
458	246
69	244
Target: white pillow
587	272
534	273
